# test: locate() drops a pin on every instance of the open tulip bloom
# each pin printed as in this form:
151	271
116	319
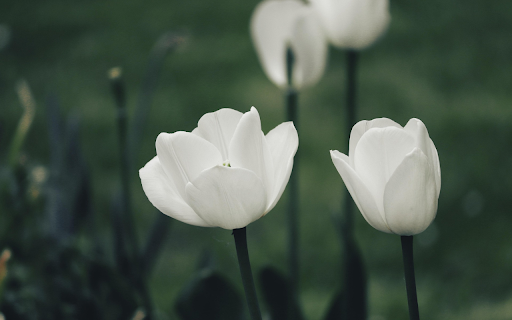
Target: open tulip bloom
279	25
225	173
393	174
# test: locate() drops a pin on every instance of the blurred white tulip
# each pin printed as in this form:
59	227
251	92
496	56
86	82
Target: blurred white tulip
226	173
277	25
393	174
353	24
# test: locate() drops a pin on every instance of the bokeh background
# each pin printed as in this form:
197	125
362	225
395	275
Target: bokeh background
448	63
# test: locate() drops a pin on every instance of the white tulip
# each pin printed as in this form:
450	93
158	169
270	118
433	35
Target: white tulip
277	25
353	24
393	174
226	173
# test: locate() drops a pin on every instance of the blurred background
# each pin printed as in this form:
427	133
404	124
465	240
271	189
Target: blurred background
447	63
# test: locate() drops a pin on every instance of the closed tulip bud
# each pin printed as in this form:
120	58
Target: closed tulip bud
393	174
225	173
353	24
279	25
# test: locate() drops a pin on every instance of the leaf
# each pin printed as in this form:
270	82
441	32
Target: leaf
335	311
209	296
276	295
155	242
164	45
351	301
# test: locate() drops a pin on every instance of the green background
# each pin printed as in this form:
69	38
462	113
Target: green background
448	63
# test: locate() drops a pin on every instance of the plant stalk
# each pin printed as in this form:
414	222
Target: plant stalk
293	186
245	270
352	58
410	281
118	91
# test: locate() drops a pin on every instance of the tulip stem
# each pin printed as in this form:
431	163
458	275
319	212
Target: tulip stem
118	91
352	57
245	270
410	282
293	202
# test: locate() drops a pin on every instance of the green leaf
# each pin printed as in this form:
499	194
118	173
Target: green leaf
276	295
209	296
351	302
335	311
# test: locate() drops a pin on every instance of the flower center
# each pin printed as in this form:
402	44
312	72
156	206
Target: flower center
226	164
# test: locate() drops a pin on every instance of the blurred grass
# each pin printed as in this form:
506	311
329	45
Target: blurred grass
447	63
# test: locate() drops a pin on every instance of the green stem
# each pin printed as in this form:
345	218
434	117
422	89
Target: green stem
410	282
245	271
136	275
120	98
293	187
352	57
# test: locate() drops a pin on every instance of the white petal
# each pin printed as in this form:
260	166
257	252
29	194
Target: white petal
275	25
249	150
218	128
359	192
353	24
437	166
418	130
378	153
283	141
410	198
309	47
229	198
162	193
184	155
362	126
270	31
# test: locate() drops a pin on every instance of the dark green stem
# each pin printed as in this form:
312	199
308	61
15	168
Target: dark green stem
352	56
245	271
293	187
118	90
120	98
410	282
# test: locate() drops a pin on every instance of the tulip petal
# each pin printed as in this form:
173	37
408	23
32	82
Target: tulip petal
364	125
410	197
184	155
249	150
309	47
354	24
437	166
418	130
162	193
270	26
218	128
359	192
283	142
229	198
378	154
275	25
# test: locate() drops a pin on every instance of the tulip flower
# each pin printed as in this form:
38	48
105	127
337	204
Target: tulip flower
279	25
393	174
353	24
225	173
